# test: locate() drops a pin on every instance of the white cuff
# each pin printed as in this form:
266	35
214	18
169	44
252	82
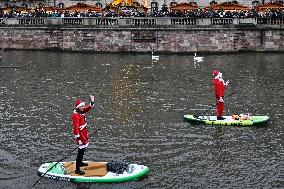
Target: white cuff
83	126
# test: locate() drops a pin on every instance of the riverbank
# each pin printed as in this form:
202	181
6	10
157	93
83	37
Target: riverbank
143	35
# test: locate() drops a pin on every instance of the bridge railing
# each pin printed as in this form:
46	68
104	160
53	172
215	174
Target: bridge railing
151	22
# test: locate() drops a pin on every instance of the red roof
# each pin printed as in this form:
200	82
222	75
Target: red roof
228	6
81	7
271	5
184	7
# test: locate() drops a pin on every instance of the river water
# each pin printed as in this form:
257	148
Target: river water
139	108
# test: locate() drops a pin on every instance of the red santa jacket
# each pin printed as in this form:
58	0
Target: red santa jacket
219	87
80	126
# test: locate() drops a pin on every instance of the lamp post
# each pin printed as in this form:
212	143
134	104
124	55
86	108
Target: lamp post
165	7
154	6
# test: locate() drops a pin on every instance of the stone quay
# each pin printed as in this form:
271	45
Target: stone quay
143	35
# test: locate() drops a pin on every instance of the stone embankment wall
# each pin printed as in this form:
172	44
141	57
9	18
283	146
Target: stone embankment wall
125	35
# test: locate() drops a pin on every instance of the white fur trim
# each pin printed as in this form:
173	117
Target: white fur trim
83	146
76	136
82	104
82	126
220	75
221	79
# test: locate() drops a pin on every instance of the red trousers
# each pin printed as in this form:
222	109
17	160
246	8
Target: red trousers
220	106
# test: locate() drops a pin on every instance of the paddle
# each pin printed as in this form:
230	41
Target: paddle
41	176
212	106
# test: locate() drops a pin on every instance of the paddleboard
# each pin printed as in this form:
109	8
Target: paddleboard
228	121
94	172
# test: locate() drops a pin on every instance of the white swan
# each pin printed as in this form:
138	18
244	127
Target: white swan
197	58
155	57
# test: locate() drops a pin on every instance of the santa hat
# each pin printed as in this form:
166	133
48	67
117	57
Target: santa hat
79	103
215	72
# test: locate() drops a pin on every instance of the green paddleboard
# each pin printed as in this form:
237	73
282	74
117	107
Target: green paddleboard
94	172
228	121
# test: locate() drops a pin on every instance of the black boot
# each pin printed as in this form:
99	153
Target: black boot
82	164
220	118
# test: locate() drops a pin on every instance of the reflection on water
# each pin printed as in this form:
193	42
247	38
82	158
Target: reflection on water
139	107
124	89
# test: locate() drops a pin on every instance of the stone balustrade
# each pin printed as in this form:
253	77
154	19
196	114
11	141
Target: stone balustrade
137	21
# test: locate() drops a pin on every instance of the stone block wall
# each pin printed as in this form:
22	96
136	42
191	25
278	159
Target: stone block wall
143	39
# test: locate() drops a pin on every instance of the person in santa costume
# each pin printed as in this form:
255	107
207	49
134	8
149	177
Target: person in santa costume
80	131
219	89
